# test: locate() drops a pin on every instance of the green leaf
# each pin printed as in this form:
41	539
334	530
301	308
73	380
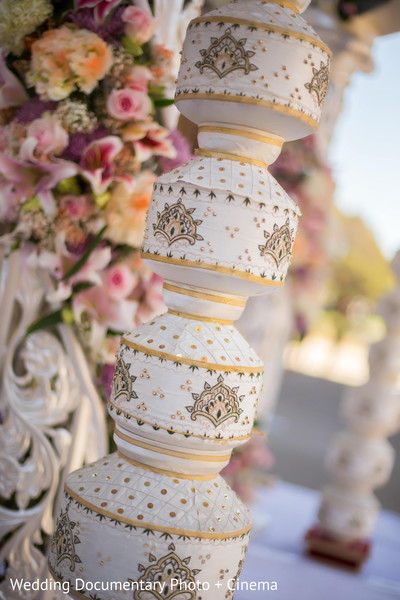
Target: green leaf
131	47
161	102
156	90
33	204
47	321
82	286
79	264
70	185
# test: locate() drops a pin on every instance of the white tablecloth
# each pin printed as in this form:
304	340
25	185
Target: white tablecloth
276	553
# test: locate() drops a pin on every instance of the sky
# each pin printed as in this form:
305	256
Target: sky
365	150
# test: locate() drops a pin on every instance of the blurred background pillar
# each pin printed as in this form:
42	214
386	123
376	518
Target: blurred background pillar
360	458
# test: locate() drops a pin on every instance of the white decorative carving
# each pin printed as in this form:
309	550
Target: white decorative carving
51	417
48	405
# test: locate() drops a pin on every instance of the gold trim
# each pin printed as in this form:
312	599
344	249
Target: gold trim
241	159
258	432
246	100
71	591
211	267
162	528
184	315
219	440
184	455
242	133
203	296
259	25
136	463
190	361
286	4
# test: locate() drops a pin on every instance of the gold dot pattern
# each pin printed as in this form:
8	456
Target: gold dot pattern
201	503
185	338
261	40
254	192
214	344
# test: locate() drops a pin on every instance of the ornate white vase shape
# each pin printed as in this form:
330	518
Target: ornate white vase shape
186	385
361	459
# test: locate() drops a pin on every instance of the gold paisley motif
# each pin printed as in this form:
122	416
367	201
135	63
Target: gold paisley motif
319	83
161	574
226	54
217	403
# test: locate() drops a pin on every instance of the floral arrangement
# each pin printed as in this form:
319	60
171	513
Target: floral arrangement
80	147
309	182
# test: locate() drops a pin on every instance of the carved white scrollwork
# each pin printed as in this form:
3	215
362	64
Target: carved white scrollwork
47	405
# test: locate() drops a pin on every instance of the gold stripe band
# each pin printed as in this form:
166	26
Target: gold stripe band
217	440
184	315
286	4
228	156
203	296
211	267
246	100
258	432
189	361
162	528
241	133
260	25
136	463
169	452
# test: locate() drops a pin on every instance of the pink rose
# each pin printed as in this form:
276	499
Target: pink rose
128	104
119	281
45	135
139	77
139	24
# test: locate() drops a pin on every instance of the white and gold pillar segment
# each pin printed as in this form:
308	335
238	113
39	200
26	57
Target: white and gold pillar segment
186	385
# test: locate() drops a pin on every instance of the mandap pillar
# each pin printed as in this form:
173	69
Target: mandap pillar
360	458
156	515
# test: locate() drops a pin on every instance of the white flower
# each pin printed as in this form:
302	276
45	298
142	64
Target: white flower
19	18
75	116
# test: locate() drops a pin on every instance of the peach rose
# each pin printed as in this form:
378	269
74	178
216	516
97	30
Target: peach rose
125	212
65	59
